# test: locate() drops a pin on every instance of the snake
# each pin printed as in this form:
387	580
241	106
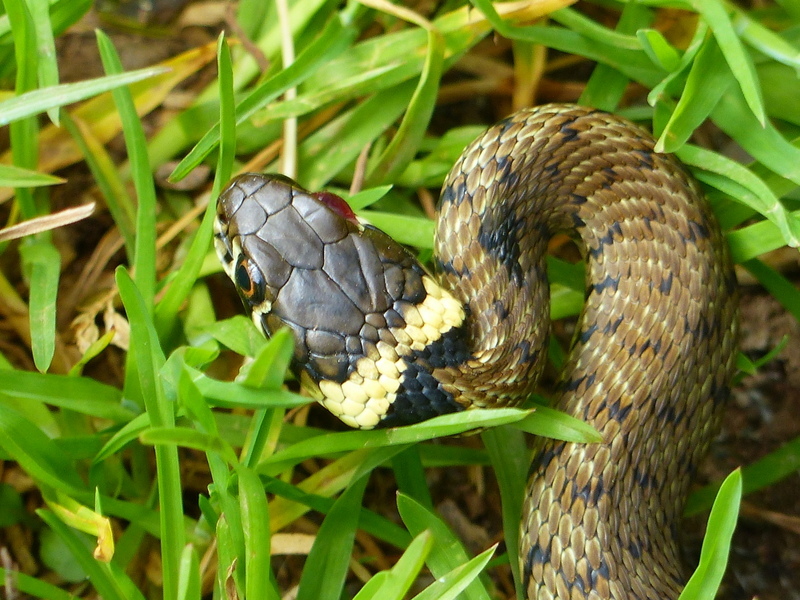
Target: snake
383	341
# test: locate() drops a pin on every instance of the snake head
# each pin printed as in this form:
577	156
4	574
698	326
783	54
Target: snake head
361	308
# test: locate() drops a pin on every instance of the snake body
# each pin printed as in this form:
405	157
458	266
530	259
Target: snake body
381	342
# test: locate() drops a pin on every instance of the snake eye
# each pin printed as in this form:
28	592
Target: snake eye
249	281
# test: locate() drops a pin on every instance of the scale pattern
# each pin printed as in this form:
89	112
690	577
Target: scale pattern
380	343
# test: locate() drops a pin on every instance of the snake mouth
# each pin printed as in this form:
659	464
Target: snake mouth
223	245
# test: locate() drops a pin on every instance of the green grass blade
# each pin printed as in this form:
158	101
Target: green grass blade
189	438
765	40
255	523
447	553
108	579
705	581
24	133
336	145
39	101
42	262
450	585
763	142
11	176
756	239
327	564
34	586
149	361
46	50
551	423
776	284
410	476
414	231
452	424
744	186
716	14
189	584
596	43
239	334
709	78
108	179
379	527
145	246
393	584
78	394
405	143
658	49
511	460
770	469
332	40
167	309
606	85
36	453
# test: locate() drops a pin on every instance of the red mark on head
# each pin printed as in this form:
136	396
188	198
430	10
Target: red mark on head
337	205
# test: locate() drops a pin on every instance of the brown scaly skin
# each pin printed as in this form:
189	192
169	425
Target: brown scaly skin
652	358
380	345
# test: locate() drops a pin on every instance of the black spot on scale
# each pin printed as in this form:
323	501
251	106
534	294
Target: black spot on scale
610	283
665	287
573	384
227	257
635	550
701	332
526	572
504	125
606	240
450	350
656	347
612	326
645	158
453	194
538	555
448	268
587	333
525	355
697	231
730	282
500	309
544	457
642	478
669	415
590	493
499	238
578	583
639	350
611	177
504	176
618	413
419	398
600	574
719	393
568	132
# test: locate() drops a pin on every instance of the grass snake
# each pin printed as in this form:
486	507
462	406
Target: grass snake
382	342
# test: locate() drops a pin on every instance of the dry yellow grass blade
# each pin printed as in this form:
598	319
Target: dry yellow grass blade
56	147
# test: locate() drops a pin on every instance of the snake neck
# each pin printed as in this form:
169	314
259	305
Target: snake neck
653	353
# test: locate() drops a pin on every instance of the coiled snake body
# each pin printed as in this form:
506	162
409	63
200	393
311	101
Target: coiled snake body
380	343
